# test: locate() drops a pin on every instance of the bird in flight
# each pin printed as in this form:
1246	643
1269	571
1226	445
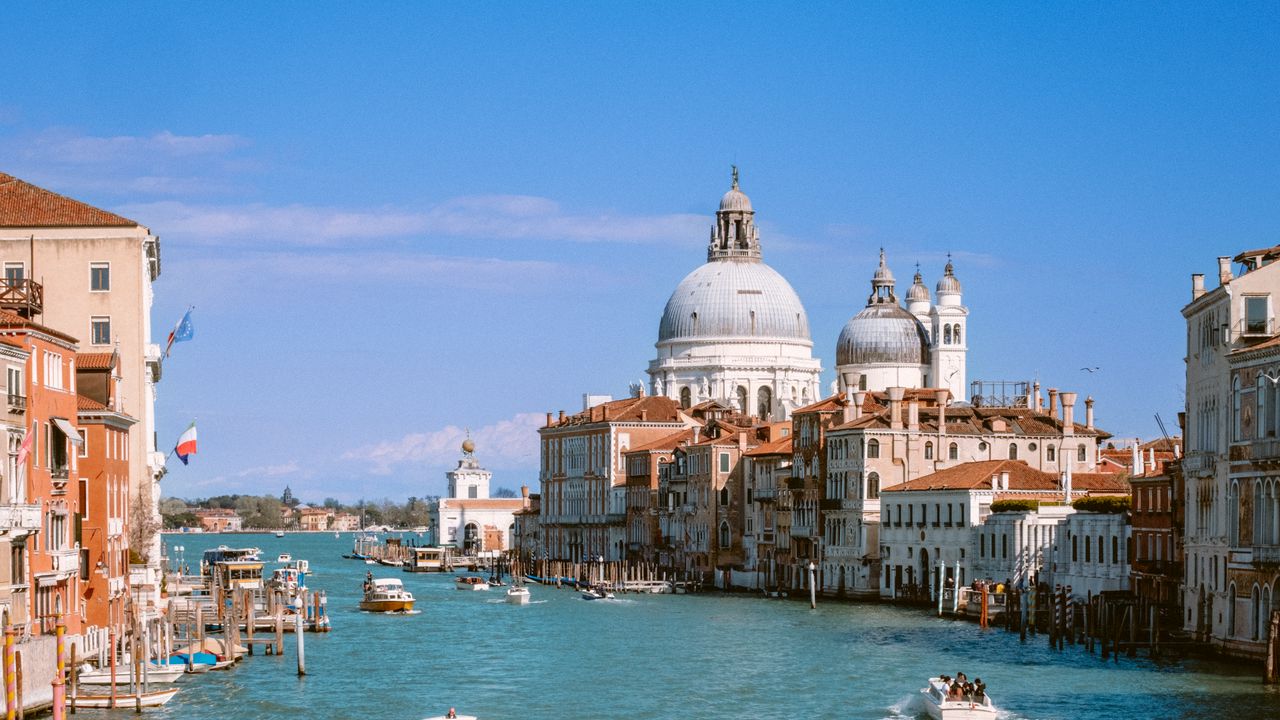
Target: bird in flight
1088	369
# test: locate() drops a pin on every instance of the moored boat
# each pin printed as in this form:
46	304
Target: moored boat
518	595
386	595
123	699
153	674
470	582
942	706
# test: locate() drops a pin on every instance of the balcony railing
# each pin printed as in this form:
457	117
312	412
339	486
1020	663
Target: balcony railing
768	493
25	297
1265	449
19	517
1200	461
17	403
1257	328
1269	554
65	561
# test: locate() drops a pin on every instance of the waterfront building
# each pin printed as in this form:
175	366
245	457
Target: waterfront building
467	517
314	518
346	522
920	346
806	489
218	520
734	330
1228	472
714	483
582	466
766	470
1157	518
89	273
646	465
1092	554
20	512
885	439
50	474
104	489
528	531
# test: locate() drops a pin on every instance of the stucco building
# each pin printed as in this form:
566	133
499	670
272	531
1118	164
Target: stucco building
468	518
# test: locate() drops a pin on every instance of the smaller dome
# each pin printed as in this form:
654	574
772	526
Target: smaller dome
949	284
735	200
918	291
883	333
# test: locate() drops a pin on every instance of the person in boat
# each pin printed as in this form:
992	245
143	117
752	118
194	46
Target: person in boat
452	713
979	690
368	581
956	691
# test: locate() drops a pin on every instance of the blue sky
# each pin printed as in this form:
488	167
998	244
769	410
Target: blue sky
401	220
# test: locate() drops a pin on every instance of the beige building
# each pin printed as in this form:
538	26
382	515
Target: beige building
97	270
19	517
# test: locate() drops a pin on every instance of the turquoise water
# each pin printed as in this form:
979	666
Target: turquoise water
668	656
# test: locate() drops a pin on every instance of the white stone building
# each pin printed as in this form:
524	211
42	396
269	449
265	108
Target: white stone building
470	520
734	330
1092	553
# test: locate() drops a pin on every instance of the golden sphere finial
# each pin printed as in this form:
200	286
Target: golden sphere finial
468	446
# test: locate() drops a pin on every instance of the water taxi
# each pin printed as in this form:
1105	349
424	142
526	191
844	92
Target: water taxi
470	582
940	707
279	533
428	559
518	595
596	593
386	595
284	558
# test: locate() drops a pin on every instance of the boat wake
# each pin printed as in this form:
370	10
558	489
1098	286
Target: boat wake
392	612
907	707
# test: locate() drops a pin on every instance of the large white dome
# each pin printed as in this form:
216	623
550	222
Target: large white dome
734	298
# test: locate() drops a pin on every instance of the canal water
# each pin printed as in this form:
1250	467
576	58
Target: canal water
667	656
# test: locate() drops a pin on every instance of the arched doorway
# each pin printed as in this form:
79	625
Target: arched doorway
471	540
923	589
764	403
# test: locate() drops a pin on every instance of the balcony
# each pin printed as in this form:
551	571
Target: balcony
19	518
66	560
1266	554
1200	462
17	403
768	493
839	504
1265	449
1256	328
24	297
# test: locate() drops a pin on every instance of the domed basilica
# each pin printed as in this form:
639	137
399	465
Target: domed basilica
735	331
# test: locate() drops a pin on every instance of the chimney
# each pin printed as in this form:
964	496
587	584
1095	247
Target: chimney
1053	402
895	407
1197	285
561	416
850	378
548	418
913	415
1136	466
742	442
1224	270
644	415
1068	413
847	411
1151	460
1004	480
1177	451
697	434
1088	412
1035	396
943	396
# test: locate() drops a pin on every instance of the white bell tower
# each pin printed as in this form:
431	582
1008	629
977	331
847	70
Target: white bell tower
949	327
468	480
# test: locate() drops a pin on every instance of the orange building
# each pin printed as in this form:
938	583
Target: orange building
219	520
51	463
104	489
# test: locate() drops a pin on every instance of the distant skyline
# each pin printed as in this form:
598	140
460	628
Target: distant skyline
400	222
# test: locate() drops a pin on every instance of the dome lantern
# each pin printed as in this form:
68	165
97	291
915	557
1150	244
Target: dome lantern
734	235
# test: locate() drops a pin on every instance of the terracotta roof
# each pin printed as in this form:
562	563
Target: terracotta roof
1270	342
95	361
13	320
977	476
25	205
781	446
85	404
829	404
966	420
655	408
1100	482
668	442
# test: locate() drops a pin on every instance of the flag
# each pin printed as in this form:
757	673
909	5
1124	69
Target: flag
186	443
25	449
184	330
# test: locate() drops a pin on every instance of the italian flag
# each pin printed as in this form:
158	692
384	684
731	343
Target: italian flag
186	443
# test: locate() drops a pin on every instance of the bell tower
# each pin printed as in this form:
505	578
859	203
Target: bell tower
949	326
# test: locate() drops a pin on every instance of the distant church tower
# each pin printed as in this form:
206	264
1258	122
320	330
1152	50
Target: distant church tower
468	480
948	323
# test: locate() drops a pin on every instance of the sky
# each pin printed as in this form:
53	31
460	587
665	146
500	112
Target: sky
401	222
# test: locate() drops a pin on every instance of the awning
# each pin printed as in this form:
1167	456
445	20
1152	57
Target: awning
70	431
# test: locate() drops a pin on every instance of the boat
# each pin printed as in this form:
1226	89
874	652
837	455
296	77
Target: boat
596	593
940	708
222	553
153	674
427	559
123	699
280	533
284	558
336	534
518	595
288	579
454	716
386	595
470	582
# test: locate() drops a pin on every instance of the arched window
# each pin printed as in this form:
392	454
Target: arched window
928	451
873	486
742	400
1082	454
1013	451
724	495
955	335
1101	548
764	403
946	334
1051	454
724	534
1231	611
953	452
693	320
1262	424
1235	409
471	541
873	448
1075	548
686	398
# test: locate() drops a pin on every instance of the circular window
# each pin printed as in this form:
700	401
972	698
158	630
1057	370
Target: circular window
1032	447
982	446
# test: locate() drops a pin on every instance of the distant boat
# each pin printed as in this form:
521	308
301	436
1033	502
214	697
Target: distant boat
597	593
940	707
284	557
336	534
279	533
518	595
452	717
471	582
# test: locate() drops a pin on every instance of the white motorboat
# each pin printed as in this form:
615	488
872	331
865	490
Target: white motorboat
596	594
153	674
940	707
470	582
279	533
284	558
454	716
518	595
123	699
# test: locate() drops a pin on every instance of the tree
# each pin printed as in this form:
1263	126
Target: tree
173	506
143	524
180	520
503	492
332	503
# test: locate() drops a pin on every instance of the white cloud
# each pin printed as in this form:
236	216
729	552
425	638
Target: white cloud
510	443
288	468
487	217
56	145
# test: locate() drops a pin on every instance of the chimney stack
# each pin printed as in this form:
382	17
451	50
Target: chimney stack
1138	470
850	378
846	411
561	416
1004	480
1224	270
913	415
1088	412
859	399
1068	412
943	396
1151	459
697	433
548	418
895	406
644	415
1197	286
1053	402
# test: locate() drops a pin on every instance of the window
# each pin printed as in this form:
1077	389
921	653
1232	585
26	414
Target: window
953	452
686	398
1013	451
928	451
873	448
724	462
873	487
14	273
101	330
1255	315
472	492
99	277
946	334
724	496
724	535
956	336
84	442
1082	454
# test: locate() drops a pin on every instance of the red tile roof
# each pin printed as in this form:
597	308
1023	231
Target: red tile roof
1100	482
84	404
95	361
25	205
977	476
781	446
829	404
669	442
13	320
654	408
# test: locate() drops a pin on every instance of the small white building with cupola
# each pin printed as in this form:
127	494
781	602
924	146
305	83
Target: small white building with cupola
468	518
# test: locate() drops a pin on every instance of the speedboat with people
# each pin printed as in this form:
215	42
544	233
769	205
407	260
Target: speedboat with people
947	698
596	593
386	595
470	582
452	715
284	558
518	595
